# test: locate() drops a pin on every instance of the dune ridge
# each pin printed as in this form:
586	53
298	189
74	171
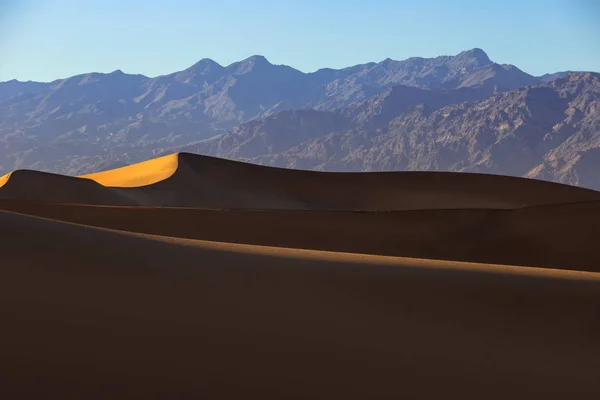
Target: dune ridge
526	237
189	276
30	185
136	175
187	180
4	179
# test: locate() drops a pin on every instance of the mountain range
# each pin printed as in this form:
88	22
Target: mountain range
457	113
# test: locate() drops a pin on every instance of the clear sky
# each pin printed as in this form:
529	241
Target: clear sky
49	39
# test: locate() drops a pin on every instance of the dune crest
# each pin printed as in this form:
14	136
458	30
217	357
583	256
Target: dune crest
188	180
136	175
529	237
4	179
46	187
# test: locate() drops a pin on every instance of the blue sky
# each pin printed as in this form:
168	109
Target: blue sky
49	39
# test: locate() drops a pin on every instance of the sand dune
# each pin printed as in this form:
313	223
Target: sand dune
4	179
201	181
42	186
186	180
557	236
189	276
141	174
95	312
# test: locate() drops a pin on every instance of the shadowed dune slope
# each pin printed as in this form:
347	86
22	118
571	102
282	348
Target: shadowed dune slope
98	314
186	180
201	181
556	236
53	188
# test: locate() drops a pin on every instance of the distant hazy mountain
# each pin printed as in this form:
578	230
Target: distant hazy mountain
13	89
556	75
550	131
91	121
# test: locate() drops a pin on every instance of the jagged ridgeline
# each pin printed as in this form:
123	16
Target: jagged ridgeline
449	113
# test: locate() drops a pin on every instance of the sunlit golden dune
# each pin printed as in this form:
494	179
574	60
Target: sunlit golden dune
142	174
4	179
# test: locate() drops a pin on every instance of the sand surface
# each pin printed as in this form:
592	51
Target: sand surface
142	174
180	279
186	180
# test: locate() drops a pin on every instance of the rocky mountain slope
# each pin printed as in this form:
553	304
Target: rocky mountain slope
94	119
459	113
549	131
13	89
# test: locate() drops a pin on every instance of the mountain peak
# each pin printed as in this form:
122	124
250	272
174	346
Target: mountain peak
206	63
475	57
250	64
257	58
256	61
203	72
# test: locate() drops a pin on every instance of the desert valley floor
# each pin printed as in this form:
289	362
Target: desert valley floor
189	276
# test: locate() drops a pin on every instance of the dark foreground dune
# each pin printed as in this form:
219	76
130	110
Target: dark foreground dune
264	283
94	312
